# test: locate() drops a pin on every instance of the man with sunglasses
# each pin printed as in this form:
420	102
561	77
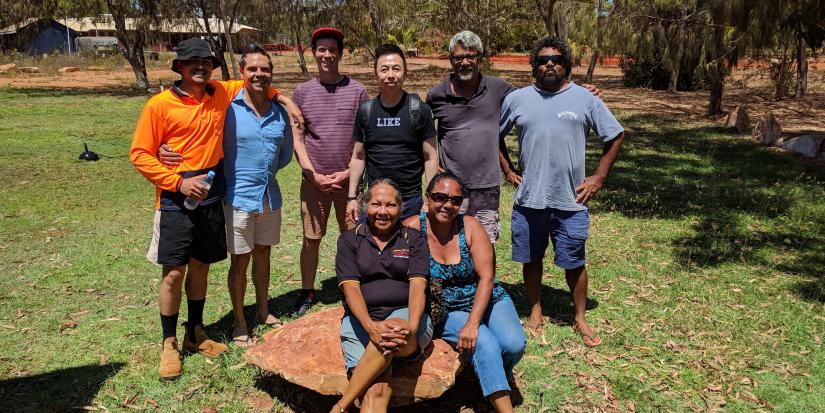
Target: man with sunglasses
188	118
553	118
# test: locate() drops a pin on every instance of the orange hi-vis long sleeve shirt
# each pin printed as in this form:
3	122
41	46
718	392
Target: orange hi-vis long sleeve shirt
192	128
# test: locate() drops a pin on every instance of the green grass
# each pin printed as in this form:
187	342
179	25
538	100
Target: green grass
706	259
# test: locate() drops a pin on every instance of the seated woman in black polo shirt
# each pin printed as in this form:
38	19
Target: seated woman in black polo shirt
382	270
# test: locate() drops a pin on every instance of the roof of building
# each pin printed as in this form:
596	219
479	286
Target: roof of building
183	25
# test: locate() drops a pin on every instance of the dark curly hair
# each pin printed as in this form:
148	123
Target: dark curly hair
445	175
555	43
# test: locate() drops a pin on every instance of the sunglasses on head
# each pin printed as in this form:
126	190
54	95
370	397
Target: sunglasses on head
442	198
542	60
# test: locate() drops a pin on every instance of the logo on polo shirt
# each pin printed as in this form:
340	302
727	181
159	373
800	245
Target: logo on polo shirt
567	115
384	122
401	253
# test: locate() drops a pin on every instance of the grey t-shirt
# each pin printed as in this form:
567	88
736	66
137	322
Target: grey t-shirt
467	130
552	128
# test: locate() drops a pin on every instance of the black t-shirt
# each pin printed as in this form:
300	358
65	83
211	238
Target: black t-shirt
393	149
385	274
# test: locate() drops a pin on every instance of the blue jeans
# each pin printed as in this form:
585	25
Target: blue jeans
499	346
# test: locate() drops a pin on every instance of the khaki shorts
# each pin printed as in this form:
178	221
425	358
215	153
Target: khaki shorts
316	208
244	230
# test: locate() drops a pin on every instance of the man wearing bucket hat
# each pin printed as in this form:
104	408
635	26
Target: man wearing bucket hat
329	103
188	117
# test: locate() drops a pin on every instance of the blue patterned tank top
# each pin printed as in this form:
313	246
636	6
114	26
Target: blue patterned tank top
459	282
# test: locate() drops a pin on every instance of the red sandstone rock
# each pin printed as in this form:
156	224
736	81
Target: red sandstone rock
307	352
68	69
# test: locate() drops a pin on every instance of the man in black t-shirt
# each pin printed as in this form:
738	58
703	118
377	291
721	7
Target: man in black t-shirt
394	136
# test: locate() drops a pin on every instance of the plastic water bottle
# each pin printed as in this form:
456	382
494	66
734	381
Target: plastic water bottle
190	203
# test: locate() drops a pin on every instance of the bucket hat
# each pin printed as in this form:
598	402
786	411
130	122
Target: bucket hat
194	48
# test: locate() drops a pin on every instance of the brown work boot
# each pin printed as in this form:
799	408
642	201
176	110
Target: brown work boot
201	343
170	359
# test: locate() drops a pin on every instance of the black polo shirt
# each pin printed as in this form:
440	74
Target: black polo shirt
392	147
385	274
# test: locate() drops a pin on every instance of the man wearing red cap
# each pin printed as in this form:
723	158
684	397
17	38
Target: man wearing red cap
329	103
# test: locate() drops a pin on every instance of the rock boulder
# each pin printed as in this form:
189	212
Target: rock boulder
68	69
767	130
11	67
809	146
307	352
28	69
739	121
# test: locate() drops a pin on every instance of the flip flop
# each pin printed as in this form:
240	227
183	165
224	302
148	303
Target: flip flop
535	330
273	324
590	340
242	341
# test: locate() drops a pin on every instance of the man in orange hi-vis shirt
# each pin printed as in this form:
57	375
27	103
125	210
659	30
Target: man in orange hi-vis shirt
189	118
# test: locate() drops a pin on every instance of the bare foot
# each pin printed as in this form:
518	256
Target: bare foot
589	335
271	321
240	337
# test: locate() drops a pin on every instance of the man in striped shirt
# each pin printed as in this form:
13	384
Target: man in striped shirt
329	103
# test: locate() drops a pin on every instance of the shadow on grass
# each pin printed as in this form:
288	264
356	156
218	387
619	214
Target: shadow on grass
556	303
466	393
279	306
746	204
61	390
111	91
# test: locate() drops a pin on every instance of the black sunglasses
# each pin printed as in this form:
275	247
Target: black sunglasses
555	58
442	198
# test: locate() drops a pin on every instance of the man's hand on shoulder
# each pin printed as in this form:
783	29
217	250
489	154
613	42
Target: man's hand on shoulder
593	89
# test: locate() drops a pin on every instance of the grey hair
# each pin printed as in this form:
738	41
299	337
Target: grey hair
384	181
467	40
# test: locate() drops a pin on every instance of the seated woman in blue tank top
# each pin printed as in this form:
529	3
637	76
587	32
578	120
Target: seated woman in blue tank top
474	312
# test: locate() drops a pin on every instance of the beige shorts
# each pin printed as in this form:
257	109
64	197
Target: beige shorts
244	230
316	208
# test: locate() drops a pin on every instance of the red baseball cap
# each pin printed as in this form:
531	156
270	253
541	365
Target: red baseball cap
327	32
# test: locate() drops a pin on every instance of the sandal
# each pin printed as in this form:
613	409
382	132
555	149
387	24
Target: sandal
535	330
272	322
590	340
243	341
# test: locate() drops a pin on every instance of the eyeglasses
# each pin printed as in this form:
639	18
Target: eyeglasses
461	57
442	198
555	58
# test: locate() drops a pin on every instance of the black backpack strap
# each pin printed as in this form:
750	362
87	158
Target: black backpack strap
415	114
365	113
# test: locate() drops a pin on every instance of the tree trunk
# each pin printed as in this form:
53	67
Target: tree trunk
132	42
801	68
299	51
217	45
594	58
716	73
546	9
375	20
227	32
588	78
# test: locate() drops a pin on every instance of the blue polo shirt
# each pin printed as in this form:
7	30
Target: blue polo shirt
254	149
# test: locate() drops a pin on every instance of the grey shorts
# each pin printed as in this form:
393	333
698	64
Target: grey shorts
354	338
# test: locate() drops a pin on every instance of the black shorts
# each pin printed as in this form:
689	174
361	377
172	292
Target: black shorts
180	235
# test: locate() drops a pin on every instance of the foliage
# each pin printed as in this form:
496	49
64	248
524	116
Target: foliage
649	71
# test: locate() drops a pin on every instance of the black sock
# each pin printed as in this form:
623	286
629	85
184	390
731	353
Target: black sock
195	313
169	323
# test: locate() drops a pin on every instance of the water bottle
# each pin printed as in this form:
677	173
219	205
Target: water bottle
190	203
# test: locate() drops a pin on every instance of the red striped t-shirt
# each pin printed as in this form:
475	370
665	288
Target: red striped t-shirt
329	116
